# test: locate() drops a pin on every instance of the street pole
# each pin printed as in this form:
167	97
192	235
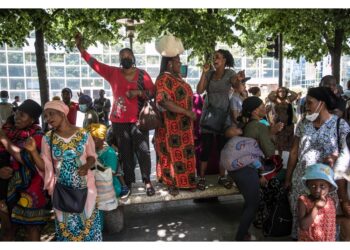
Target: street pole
280	59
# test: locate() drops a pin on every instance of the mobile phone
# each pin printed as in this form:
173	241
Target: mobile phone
183	70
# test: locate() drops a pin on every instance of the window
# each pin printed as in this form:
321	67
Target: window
98	83
31	71
3	70
21	94
268	63
140	60
56	58
115	60
106	59
72	59
153	71
16	83
107	86
251	63
2	57
138	48
30	57
268	73
15	58
16	70
35	95
153	60
238	63
98	57
86	83
92	73
73	83
32	83
56	71
84	71
251	73
3	83
57	83
72	71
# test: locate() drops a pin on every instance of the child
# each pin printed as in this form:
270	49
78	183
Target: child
108	157
316	211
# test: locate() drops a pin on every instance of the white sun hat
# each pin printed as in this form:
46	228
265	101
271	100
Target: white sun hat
169	46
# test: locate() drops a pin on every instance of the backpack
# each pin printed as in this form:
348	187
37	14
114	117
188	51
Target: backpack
280	219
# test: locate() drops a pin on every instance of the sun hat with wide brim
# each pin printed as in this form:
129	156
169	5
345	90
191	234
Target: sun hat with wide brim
320	171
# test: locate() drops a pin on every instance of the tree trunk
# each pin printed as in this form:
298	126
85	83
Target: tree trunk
336	53
41	66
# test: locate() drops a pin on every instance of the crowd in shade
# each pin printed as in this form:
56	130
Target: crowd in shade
223	129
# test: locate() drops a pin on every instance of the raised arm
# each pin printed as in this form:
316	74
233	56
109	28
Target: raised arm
10	147
203	83
293	96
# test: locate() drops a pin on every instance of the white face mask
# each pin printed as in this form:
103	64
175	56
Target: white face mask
312	117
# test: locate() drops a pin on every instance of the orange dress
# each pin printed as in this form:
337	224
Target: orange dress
174	140
323	228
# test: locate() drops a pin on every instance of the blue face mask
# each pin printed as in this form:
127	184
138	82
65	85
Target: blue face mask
83	107
5	100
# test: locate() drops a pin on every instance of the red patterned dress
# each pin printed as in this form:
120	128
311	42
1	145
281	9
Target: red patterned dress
323	228
174	141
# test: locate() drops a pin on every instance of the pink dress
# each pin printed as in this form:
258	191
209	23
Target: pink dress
323	227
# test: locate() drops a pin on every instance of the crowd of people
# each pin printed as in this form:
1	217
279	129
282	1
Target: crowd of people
36	165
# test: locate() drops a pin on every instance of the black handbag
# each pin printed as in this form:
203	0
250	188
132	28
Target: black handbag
213	118
280	219
65	198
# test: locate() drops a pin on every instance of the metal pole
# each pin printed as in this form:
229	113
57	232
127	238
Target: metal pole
280	59
130	41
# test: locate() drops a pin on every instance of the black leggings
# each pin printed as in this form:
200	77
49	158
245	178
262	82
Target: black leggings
130	140
207	141
247	181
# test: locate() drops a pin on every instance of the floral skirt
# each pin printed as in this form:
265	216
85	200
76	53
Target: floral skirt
75	228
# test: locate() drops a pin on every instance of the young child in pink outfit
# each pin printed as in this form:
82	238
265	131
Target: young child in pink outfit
316	211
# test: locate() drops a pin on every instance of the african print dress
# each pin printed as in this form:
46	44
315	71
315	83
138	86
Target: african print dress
174	140
26	199
69	154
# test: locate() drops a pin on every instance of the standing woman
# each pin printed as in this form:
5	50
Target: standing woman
73	155
174	140
128	100
316	140
282	100
26	204
217	83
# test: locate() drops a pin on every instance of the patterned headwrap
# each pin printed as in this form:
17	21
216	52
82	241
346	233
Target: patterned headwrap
97	130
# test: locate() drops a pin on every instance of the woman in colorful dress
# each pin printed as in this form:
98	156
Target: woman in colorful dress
316	140
174	140
73	155
27	203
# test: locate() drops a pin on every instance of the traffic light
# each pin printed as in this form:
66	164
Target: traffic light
273	47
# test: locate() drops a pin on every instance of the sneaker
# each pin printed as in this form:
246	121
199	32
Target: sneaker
125	192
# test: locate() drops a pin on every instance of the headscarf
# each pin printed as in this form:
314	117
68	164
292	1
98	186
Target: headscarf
97	130
32	108
324	94
57	105
85	99
249	105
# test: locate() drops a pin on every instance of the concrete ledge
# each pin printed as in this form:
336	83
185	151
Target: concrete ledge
138	194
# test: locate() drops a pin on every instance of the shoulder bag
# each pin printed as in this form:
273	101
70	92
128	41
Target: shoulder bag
149	116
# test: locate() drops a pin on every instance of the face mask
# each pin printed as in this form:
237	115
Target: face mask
83	107
312	117
126	63
4	100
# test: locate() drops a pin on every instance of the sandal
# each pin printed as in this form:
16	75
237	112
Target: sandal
201	184
225	182
173	190
150	191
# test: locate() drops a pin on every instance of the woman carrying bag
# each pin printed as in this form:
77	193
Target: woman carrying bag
68	154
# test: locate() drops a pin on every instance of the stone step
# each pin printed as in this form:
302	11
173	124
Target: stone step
213	189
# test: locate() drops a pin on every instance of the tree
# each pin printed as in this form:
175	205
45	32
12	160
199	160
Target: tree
312	33
56	27
199	29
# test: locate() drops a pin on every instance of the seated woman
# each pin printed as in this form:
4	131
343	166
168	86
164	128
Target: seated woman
68	154
27	202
